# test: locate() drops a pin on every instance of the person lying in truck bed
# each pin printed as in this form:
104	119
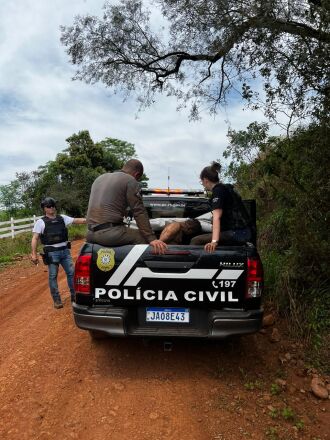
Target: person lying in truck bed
180	232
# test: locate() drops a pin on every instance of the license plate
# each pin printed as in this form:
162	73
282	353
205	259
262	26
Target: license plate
162	314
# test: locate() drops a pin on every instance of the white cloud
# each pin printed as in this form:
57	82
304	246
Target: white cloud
41	106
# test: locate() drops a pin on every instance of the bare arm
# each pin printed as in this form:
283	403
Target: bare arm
141	217
170	232
217	214
79	221
135	202
34	245
216	232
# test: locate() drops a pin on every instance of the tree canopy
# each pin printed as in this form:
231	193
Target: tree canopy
206	49
69	177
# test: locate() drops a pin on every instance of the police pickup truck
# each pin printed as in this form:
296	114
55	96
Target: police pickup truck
187	292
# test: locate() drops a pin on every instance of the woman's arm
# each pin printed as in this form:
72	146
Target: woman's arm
216	232
217	214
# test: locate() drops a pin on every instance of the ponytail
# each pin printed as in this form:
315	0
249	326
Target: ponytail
211	172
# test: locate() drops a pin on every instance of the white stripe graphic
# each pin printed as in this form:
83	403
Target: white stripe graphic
141	272
229	274
127	264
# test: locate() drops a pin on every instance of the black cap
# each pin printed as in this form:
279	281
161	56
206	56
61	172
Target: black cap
48	202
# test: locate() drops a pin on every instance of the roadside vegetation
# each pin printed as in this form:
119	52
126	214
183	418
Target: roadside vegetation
12	249
289	178
68	179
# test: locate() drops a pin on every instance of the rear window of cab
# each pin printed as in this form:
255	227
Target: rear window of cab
168	207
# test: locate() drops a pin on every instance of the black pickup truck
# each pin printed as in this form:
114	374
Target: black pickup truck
187	292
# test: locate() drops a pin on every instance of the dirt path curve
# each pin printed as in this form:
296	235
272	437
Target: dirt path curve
55	383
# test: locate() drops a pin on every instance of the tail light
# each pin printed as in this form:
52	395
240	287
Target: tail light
82	274
255	278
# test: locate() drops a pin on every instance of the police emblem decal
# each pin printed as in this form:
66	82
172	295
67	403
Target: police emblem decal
105	259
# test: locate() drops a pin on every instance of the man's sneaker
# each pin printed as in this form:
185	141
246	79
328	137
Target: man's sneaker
58	304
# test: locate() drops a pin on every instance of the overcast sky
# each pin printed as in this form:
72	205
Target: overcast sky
40	106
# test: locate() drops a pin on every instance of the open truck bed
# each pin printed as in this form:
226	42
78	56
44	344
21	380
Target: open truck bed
187	292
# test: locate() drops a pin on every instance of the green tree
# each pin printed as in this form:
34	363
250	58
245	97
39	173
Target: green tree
9	196
25	189
70	176
245	147
208	49
289	178
115	148
81	153
122	151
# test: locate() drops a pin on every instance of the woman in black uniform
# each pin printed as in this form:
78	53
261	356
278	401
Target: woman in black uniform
231	221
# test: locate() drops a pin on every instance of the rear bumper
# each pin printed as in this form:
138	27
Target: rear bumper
115	321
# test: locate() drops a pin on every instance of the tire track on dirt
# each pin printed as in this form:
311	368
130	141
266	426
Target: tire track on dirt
56	383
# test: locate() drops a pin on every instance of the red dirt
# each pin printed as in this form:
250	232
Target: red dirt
56	383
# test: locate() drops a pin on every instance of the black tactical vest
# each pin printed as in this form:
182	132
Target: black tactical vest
55	230
239	217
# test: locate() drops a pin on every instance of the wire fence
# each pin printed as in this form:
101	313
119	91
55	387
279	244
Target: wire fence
17	226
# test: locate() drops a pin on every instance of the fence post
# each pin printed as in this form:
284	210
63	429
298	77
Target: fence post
34	219
12	227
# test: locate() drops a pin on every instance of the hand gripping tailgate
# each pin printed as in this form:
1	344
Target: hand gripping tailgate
184	276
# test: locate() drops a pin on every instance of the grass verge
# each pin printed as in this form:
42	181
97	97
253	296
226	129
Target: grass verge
11	248
306	309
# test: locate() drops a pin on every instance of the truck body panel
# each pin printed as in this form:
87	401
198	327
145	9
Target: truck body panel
187	292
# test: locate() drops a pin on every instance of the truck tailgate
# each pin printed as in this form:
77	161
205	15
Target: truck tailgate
183	277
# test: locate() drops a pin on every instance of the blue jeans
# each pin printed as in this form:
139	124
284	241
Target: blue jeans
236	235
63	258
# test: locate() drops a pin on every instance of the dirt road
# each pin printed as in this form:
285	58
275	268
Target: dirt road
55	383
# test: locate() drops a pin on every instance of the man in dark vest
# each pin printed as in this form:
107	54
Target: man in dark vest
53	233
